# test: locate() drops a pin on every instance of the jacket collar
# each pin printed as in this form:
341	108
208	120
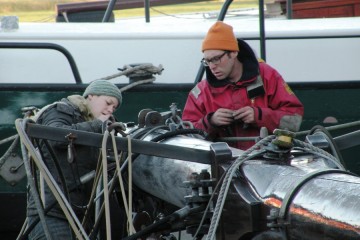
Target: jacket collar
80	103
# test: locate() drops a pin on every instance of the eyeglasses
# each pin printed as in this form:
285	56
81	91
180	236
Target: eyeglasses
215	60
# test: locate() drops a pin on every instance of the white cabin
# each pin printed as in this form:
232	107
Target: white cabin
302	50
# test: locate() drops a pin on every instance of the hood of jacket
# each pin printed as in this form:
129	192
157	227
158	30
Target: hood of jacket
250	67
79	102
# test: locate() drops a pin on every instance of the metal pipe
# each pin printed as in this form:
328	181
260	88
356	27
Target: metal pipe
289	9
109	10
52	46
262	30
224	9
147	10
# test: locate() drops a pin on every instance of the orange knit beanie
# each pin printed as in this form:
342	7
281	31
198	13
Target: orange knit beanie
220	37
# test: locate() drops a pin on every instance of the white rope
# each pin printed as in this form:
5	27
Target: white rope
92	200
106	189
127	87
117	161
129	70
230	172
130	177
54	187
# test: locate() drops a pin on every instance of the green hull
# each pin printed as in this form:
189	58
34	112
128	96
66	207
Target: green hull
337	100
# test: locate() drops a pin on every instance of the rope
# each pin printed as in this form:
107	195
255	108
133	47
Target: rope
33	188
93	190
141	70
226	184
136	83
130	183
131	228
318	151
55	189
118	172
334	148
297	134
244	157
11	148
8	139
106	189
208	206
110	185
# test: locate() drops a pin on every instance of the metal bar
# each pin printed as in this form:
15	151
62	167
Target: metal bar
224	9
147	10
52	46
262	30
166	87
137	146
348	140
109	9
289	9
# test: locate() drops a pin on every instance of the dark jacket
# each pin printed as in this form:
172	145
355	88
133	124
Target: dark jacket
71	114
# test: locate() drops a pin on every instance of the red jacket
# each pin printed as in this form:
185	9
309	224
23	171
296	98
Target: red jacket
277	107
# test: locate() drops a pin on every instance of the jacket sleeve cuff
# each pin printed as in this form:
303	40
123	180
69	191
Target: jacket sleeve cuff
96	125
206	121
258	114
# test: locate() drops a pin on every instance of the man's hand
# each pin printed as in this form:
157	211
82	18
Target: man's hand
245	114
221	117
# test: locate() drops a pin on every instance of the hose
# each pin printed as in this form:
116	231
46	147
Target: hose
178	132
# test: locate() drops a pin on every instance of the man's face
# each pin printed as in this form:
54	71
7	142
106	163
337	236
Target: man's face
219	62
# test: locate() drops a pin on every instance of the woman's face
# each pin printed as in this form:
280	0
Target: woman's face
102	106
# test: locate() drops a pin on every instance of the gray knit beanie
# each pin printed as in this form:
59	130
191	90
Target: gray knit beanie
102	87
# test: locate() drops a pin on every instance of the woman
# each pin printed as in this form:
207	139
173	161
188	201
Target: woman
87	113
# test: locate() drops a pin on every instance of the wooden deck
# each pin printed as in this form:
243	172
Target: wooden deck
324	8
315	8
102	5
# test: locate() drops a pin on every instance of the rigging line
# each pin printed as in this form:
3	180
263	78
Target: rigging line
32	184
118	173
226	184
209	203
130	177
54	187
93	190
10	149
106	189
5	140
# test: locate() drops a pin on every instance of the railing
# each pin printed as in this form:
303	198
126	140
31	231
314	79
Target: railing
52	46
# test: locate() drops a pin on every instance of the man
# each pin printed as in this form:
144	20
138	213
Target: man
86	113
240	94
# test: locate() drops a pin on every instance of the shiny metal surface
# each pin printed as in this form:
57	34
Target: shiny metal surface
325	207
164	177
